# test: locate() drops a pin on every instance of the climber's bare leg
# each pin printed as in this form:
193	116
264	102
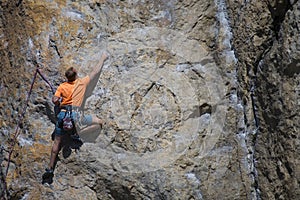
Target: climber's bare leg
56	147
95	126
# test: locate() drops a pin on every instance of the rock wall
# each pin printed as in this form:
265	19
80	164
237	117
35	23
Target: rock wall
266	46
201	98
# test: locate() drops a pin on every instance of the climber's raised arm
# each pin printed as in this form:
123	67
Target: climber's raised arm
95	73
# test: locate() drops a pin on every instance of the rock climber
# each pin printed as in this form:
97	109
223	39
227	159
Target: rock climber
71	96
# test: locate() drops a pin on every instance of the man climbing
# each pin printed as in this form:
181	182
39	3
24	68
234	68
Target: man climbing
71	97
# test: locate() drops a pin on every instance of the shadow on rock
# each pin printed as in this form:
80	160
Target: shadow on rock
71	142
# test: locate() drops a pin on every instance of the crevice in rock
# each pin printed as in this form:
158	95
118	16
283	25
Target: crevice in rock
201	110
255	132
253	82
52	44
278	12
138	96
280	174
288	167
197	73
19	3
119	192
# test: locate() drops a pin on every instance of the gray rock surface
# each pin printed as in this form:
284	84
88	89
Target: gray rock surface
201	98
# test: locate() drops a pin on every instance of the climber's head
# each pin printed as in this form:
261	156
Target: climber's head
71	74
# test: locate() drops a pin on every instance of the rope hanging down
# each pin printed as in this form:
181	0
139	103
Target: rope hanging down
20	118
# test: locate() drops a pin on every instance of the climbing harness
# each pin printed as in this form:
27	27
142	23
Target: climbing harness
68	121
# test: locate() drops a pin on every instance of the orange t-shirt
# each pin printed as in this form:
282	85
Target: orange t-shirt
72	93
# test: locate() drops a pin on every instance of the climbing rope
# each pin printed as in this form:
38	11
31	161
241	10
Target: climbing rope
20	118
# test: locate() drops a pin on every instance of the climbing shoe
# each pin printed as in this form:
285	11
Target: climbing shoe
48	176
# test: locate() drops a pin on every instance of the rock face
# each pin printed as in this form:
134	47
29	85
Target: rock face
201	98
